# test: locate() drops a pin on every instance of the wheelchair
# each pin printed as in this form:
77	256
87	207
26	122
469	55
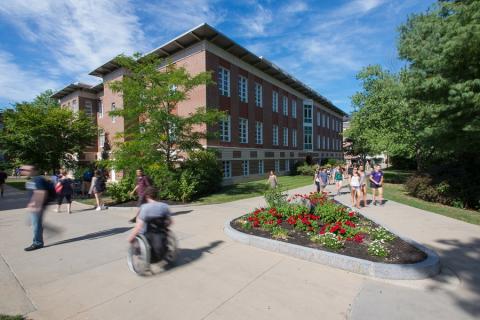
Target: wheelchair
158	244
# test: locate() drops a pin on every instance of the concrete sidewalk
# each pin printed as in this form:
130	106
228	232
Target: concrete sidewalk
82	273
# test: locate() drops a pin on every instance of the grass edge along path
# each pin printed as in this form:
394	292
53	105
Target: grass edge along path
250	189
396	192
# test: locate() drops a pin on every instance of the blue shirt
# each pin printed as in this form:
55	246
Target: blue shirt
323	178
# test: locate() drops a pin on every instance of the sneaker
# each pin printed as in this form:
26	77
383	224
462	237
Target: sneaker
34	247
56	210
98	209
374	203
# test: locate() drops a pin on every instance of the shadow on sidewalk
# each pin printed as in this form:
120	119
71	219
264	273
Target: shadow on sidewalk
186	256
181	212
463	258
92	236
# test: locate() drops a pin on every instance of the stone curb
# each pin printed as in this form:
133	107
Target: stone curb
416	271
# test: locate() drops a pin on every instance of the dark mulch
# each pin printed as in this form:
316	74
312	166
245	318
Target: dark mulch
401	252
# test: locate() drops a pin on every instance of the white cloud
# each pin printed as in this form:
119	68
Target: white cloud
295	7
181	15
358	7
18	84
79	35
255	24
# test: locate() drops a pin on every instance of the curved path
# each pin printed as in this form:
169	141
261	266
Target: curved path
82	273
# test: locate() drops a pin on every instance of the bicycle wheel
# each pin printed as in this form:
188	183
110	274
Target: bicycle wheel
138	257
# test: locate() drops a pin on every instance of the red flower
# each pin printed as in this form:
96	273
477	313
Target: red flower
279	221
343	231
351	214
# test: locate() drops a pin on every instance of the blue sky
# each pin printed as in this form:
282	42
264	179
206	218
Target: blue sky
48	44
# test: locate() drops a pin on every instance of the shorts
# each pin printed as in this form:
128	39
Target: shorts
141	200
375	186
66	196
355	187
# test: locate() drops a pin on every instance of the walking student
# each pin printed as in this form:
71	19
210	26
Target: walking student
376	183
355	188
323	179
86	181
3	178
338	179
316	179
143	182
97	187
272	180
363	185
38	190
64	189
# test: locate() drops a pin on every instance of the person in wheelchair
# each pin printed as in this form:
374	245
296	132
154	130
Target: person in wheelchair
152	222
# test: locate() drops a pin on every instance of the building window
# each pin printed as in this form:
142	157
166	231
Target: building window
224	82
294	109
101	138
307	113
323	121
100	109
258	95
74	106
285	105
243	88
277	165
285	137
307	138
245	168
259	132
294	138
114	118
287	164
88	108
261	167
319	115
227	169
319	141
243	130
328	122
323	143
275	101
275	135
225	129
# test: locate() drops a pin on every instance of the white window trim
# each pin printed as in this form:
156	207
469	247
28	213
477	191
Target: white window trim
285	105
245	169
259	132
223	72
294	109
261	167
113	107
275	101
229	166
243	123
258	95
227	121
285	137
275	135
243	89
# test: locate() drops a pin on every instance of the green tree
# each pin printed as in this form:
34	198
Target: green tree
43	134
442	47
155	132
384	119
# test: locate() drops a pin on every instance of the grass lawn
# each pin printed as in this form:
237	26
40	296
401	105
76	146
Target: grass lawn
396	193
17	183
6	317
251	189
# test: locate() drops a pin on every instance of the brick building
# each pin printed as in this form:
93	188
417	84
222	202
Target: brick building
273	120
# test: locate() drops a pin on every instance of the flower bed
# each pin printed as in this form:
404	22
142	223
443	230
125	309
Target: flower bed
318	222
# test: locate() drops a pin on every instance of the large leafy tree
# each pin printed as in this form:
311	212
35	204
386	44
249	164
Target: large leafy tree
155	131
384	119
442	47
43	134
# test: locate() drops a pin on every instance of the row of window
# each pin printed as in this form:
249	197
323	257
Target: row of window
329	122
224	90
227	167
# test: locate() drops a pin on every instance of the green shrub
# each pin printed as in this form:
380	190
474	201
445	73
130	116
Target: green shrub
331	212
166	181
306	170
381	233
275	197
120	191
187	185
204	172
328	240
377	248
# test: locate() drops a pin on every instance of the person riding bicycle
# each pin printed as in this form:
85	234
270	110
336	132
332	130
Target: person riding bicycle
150	211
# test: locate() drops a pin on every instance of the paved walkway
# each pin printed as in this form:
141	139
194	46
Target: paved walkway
82	273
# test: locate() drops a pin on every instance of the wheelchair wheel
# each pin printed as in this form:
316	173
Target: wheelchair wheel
138	258
171	253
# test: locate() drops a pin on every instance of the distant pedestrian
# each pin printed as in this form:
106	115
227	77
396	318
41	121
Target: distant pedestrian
355	188
272	180
38	189
363	185
338	179
323	179
97	188
376	183
86	181
143	182
3	178
64	189
316	179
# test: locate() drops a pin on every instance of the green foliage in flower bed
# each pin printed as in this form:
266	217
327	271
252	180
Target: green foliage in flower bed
316	218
